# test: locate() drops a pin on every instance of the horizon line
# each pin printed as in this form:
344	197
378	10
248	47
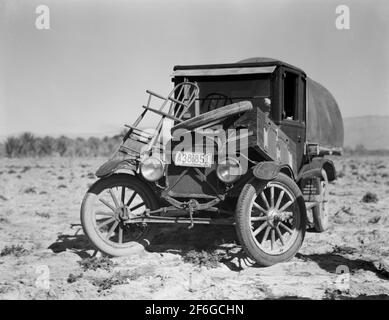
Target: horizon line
112	132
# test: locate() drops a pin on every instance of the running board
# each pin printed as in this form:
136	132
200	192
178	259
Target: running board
156	219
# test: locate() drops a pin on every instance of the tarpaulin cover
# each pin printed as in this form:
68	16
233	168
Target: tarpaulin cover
223	71
324	120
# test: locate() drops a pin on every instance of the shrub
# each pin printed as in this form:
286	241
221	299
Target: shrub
374	219
27	145
12	146
45	215
30	190
95	263
107	283
117	278
74	277
202	258
62	145
370	197
47	146
16	250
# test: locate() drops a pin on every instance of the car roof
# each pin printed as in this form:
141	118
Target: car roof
246	63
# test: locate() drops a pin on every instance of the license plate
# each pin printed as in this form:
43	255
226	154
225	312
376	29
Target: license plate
193	159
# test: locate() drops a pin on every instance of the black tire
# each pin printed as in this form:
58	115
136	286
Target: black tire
89	216
320	212
273	219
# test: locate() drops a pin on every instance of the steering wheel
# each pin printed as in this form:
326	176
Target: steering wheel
216	100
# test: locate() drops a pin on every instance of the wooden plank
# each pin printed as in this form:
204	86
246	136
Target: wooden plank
214	115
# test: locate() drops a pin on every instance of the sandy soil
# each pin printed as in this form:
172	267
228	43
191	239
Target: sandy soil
39	212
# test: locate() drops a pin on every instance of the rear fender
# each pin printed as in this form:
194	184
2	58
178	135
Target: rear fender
314	169
112	166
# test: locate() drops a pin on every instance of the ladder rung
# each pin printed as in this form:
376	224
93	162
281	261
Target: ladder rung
138	140
141	133
141	136
161	113
156	94
170	98
134	128
179	102
128	148
134	153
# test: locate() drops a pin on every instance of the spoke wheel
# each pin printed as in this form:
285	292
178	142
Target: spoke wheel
108	204
271	220
320	212
120	203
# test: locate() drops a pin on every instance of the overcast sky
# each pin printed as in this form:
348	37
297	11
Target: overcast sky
88	74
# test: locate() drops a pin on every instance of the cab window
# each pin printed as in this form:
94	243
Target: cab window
290	95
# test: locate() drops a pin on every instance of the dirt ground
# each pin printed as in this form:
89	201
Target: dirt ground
44	254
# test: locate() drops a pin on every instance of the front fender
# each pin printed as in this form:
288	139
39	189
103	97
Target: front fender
268	170
264	171
114	165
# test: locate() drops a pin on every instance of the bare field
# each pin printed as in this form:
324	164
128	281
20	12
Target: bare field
39	221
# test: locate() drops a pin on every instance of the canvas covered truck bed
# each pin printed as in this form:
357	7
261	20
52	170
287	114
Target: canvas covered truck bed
324	125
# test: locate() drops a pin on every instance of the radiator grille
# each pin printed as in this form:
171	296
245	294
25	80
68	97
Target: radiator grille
191	183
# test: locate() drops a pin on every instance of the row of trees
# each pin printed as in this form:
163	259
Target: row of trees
360	150
29	145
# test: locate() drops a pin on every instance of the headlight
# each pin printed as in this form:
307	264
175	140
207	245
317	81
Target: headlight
152	169
229	171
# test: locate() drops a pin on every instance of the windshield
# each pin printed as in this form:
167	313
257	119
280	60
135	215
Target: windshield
216	92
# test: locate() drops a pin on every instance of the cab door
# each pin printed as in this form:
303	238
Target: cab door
292	121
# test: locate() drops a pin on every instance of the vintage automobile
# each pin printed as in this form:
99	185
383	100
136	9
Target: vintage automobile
241	144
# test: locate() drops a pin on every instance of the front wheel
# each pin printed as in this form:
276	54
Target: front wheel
271	220
108	204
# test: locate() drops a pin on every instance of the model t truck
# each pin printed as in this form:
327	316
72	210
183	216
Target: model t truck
241	144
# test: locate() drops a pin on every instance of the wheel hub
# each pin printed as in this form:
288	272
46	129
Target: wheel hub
122	213
273	217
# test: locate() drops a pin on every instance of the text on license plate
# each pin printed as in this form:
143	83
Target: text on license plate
193	159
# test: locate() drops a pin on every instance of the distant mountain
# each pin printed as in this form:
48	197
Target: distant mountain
370	131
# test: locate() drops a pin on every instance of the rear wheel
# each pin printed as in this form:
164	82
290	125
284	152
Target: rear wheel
106	207
271	220
320	211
